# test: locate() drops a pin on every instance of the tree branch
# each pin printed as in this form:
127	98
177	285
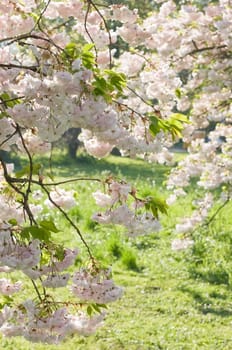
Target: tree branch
207	48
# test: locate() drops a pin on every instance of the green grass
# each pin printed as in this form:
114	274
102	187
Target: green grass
63	166
171	301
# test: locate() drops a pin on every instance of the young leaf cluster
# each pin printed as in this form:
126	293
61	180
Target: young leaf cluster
173	125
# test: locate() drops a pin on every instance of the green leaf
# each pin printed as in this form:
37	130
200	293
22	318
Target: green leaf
36	232
178	93
96	308
88	47
25	233
100	83
49	225
89	310
8	100
88	58
104	306
51	176
71	50
59	254
4	96
156	204
118	80
34	15
147	206
181	117
154	126
3	114
42	231
22	172
154	210
45	258
26	170
102	88
6	300
13	222
174	125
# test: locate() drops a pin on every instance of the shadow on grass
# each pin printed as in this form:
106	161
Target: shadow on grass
133	169
218	312
205	303
196	295
216	276
145	243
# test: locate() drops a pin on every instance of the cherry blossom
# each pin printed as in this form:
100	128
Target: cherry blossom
62	198
18	256
8	288
96	287
177	65
181	244
51	329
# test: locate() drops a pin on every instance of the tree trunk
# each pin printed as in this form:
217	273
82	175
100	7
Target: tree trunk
72	141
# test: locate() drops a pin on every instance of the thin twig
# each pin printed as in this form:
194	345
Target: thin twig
21	193
69	220
8	178
107	29
38	182
129	108
12	65
216	212
202	49
25	36
61	24
86	27
72	180
28	190
37	290
140	97
8	138
210	220
4	102
41	15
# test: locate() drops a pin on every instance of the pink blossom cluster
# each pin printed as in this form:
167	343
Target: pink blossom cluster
8	288
97	287
210	163
56	100
29	320
52	275
119	211
182	243
33	143
16	255
198	215
63	198
50	329
136	224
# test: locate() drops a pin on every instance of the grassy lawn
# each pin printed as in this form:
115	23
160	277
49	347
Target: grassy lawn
171	300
